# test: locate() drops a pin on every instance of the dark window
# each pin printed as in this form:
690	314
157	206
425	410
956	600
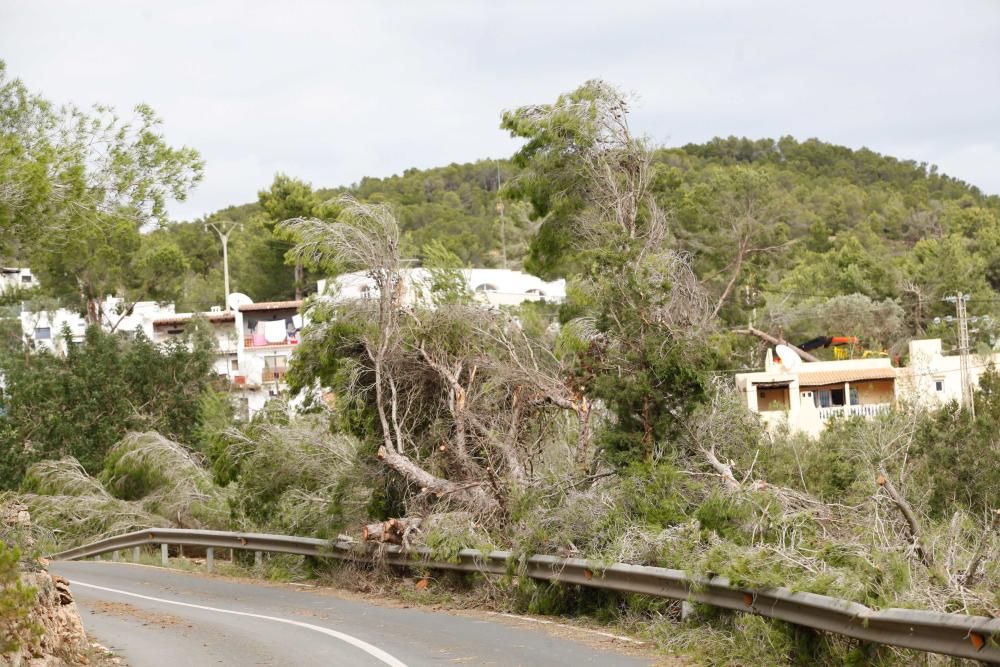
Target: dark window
43	333
25	279
938	385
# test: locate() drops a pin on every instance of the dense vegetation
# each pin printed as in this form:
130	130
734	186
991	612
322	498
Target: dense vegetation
82	403
605	427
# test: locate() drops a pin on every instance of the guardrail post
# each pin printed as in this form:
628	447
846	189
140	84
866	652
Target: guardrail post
209	558
135	554
164	557
114	556
258	558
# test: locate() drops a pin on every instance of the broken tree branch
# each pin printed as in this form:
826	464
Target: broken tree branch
768	338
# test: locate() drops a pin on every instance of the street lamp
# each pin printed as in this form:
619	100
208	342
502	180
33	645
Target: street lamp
224	228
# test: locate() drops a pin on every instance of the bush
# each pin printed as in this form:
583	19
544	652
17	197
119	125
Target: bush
16	601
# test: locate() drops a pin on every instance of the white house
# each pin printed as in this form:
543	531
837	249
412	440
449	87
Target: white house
44	329
807	395
932	378
493	287
13	278
268	333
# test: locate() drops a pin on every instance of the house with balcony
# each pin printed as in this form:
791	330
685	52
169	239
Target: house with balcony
807	396
268	334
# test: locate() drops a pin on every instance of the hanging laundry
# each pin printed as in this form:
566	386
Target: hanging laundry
274	332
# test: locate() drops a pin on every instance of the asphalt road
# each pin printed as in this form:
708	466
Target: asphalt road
152	616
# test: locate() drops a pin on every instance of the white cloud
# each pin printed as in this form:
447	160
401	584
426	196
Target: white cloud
331	92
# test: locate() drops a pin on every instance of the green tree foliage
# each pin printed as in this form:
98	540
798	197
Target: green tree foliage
456	206
16	601
958	454
79	186
553	180
82	404
289	198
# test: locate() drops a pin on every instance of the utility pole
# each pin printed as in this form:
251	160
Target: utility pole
224	229
961	313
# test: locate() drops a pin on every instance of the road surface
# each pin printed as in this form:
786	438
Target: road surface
152	616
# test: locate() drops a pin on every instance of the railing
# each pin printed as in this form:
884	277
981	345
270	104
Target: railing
870	410
248	341
961	635
273	374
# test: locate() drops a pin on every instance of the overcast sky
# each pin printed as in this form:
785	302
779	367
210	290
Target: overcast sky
333	91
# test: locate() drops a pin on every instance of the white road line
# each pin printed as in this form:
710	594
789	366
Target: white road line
373	651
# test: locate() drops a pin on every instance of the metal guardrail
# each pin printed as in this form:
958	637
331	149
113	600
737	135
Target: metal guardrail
961	635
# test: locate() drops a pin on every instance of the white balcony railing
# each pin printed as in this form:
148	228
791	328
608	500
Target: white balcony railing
869	410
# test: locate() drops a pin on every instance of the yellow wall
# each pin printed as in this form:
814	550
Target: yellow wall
768	397
875	391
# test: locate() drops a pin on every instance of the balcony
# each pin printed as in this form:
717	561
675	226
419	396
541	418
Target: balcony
259	342
869	410
273	374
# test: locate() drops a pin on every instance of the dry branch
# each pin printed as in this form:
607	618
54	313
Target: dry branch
913	524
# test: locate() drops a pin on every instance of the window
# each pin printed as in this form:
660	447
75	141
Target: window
277	362
938	385
234	364
43	333
837	396
25	278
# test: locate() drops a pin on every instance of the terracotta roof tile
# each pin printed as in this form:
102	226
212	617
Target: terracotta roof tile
817	378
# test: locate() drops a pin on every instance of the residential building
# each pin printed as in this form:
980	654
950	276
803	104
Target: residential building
807	395
933	378
268	334
44	329
223	325
492	287
13	278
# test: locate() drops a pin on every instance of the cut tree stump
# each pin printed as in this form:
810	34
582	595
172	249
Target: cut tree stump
393	531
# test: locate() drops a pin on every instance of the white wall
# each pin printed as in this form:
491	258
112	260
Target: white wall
494	287
928	366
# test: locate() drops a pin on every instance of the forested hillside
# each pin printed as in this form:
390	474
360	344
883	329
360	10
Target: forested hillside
803	237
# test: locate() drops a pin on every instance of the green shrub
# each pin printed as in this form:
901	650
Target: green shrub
16	601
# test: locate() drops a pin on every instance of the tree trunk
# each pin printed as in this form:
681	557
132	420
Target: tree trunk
299	280
93	312
473	495
768	338
393	531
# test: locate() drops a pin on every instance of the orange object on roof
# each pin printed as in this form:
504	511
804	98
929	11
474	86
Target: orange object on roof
844	340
